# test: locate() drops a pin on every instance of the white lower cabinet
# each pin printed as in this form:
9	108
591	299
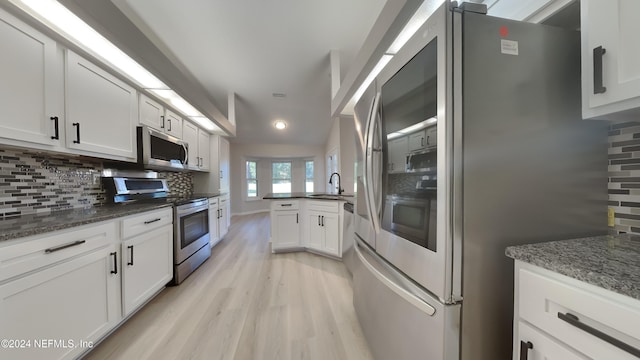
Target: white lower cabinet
557	317
147	261
59	311
214	213
62	292
307	224
223	216
285	225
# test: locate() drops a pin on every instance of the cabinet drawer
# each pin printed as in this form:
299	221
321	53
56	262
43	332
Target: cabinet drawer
285	205
138	224
213	201
46	250
545	300
331	206
542	346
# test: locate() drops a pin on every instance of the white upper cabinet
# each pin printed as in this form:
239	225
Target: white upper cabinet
153	114
31	85
199	146
223	163
101	111
204	150
610	58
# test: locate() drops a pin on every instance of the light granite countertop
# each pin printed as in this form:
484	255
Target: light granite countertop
610	261
28	225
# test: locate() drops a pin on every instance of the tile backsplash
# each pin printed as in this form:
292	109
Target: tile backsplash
34	182
624	176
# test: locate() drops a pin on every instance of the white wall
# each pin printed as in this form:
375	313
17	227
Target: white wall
268	152
342	138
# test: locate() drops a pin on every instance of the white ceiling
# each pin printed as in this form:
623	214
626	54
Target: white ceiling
258	47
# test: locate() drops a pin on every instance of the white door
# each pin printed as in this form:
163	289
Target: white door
173	124
417	141
31	85
223	225
331	224
214	236
614	26
316	231
101	111
539	346
224	155
76	300
398	149
151	113
203	150
285	232
147	266
190	136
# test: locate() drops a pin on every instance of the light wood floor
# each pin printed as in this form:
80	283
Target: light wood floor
247	303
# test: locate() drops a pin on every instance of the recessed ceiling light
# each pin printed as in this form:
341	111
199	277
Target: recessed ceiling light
280	124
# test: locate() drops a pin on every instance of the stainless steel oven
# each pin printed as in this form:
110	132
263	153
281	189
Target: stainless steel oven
191	245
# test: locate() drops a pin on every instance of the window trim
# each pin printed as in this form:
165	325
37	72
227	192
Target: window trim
290	162
313	176
246	181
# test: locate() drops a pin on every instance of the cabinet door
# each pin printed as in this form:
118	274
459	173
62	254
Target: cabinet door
31	85
76	300
223	160
214	236
331	227
541	347
173	124
398	149
417	141
223	224
151	113
147	266
316	231
432	136
204	150
190	136
614	26
285	229
101	111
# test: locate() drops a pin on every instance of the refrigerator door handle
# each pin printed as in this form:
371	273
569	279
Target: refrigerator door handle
369	171
400	290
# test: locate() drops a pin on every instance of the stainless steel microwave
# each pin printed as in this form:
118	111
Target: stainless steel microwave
159	151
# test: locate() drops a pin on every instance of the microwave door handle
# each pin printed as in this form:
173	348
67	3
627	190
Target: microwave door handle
186	153
369	171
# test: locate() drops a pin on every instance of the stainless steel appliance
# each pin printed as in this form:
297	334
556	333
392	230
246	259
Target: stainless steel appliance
191	237
348	251
512	163
190	215
159	151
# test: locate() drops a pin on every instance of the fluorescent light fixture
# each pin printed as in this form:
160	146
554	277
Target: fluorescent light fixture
205	123
384	60
177	101
280	124
417	20
64	22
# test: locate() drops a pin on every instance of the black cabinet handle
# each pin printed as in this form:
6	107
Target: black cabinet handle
151	221
422	141
286	205
169	121
56	128
162	117
323	220
77	140
115	262
319	220
597	70
130	247
297	218
427	140
524	349
54	249
575	321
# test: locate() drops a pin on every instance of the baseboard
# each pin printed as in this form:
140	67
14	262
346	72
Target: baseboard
250	212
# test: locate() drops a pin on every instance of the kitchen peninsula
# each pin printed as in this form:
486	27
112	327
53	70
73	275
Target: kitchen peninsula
307	222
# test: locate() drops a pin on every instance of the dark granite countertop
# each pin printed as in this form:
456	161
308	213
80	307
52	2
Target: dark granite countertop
314	196
610	261
34	224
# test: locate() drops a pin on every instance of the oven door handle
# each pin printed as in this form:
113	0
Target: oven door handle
392	285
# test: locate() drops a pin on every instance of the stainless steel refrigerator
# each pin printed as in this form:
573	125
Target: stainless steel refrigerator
469	141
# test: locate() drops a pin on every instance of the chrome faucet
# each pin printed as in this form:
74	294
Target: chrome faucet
340	190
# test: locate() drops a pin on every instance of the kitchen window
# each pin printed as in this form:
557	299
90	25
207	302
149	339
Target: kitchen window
281	177
252	179
308	178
